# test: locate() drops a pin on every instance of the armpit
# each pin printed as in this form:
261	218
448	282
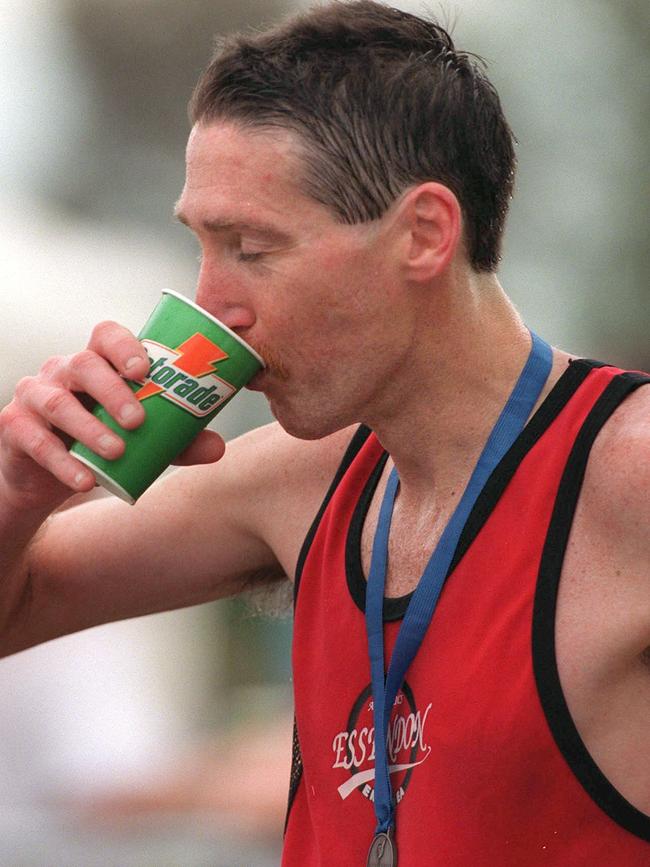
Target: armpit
268	593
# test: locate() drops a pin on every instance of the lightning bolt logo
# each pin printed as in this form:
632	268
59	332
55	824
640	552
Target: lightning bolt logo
197	356
148	390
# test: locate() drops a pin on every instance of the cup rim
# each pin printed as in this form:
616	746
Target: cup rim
105	480
218	322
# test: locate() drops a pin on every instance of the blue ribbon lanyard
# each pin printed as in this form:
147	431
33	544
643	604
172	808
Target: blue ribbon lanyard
418	615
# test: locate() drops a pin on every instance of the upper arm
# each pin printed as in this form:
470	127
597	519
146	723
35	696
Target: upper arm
198	534
610	528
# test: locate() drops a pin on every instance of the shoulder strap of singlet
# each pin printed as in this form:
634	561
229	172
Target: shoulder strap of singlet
360	436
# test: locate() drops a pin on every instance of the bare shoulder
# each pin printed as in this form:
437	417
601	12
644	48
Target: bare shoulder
271	451
616	489
614	507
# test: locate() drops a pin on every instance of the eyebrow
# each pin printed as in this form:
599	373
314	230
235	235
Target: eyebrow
237	225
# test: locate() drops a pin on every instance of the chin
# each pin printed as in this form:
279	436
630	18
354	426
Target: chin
305	426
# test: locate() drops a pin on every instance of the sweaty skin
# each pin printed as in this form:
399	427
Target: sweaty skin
383	323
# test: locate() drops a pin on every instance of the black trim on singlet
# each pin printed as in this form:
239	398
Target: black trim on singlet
358	439
555	401
549	688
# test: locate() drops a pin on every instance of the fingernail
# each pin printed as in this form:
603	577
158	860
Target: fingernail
127	411
137	359
80	479
107	443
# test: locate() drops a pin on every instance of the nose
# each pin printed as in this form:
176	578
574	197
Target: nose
219	293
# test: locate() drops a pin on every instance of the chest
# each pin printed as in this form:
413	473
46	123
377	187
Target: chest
604	680
413	538
467	723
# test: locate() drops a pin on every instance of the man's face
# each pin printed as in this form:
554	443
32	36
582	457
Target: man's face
316	298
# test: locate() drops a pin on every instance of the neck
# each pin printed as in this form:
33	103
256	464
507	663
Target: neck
458	376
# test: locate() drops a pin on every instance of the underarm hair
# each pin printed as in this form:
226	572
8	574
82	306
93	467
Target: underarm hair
268	593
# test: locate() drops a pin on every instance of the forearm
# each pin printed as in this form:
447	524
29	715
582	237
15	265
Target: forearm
38	473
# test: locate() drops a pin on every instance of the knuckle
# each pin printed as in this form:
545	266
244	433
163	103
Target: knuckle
83	360
52	366
56	402
23	386
102	329
8	417
39	448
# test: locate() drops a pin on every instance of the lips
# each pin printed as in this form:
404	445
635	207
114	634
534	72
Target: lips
257	382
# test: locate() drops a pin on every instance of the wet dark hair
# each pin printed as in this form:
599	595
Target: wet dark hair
381	101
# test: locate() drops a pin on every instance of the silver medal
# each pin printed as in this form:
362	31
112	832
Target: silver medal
382	851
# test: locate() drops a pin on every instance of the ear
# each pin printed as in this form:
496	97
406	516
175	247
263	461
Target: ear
431	221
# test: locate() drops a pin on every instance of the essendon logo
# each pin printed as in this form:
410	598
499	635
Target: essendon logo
186	375
354	747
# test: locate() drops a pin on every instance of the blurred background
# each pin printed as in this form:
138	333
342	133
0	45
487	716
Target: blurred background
166	740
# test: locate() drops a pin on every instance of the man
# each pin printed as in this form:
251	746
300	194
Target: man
348	175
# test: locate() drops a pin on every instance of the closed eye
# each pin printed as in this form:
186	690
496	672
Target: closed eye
249	257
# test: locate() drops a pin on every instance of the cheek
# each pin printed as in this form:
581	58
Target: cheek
325	309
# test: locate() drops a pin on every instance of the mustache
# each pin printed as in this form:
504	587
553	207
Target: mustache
272	359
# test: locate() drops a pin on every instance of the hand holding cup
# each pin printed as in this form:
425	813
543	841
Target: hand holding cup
196	366
52	409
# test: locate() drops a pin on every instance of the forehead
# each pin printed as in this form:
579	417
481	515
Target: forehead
231	171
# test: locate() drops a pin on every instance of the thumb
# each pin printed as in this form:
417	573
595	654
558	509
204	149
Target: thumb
207	448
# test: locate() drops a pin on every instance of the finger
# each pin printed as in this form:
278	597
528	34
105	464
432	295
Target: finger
207	448
63	411
89	373
121	347
28	436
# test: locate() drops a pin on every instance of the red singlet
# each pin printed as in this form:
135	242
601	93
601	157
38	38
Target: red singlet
488	767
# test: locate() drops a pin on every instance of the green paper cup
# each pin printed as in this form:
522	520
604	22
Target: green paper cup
197	366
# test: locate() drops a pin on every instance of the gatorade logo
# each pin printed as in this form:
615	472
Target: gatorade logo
186	375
